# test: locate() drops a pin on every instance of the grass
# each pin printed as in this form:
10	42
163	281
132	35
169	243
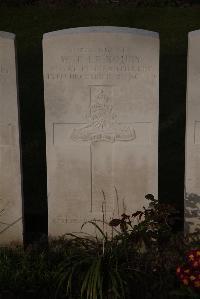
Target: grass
138	260
79	268
30	22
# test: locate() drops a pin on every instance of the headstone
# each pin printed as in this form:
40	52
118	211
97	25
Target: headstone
192	170
101	88
10	177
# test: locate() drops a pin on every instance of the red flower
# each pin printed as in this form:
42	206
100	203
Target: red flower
189	275
193	258
178	270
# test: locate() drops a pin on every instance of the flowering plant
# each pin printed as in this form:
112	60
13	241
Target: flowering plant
189	274
151	226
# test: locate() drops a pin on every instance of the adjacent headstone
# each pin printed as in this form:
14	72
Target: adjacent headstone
192	171
101	88
10	176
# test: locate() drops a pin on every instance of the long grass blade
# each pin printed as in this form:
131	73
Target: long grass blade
97	226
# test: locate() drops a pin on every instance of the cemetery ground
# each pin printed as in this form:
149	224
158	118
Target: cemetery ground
136	264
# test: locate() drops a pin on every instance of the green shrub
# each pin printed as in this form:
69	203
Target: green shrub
139	259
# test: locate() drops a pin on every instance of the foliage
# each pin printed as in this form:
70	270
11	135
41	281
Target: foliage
98	263
154	224
23	274
139	259
74	266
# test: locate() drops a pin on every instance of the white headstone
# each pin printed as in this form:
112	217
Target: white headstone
192	171
101	88
10	176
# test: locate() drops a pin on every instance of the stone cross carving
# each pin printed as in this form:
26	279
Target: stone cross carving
11	228
6	144
101	115
102	126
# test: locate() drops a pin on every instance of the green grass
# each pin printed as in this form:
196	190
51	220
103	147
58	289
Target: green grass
138	260
30	22
79	268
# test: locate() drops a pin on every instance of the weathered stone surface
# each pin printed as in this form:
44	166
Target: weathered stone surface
192	170
10	177
101	88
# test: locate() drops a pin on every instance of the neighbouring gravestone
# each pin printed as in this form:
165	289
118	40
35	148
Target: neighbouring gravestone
10	177
101	88
192	170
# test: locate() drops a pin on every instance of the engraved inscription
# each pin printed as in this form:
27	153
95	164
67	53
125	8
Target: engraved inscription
101	113
64	220
99	64
103	125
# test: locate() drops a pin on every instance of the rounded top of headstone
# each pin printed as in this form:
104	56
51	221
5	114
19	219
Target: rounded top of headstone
102	29
7	35
195	33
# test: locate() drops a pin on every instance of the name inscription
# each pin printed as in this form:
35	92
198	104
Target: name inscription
101	63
